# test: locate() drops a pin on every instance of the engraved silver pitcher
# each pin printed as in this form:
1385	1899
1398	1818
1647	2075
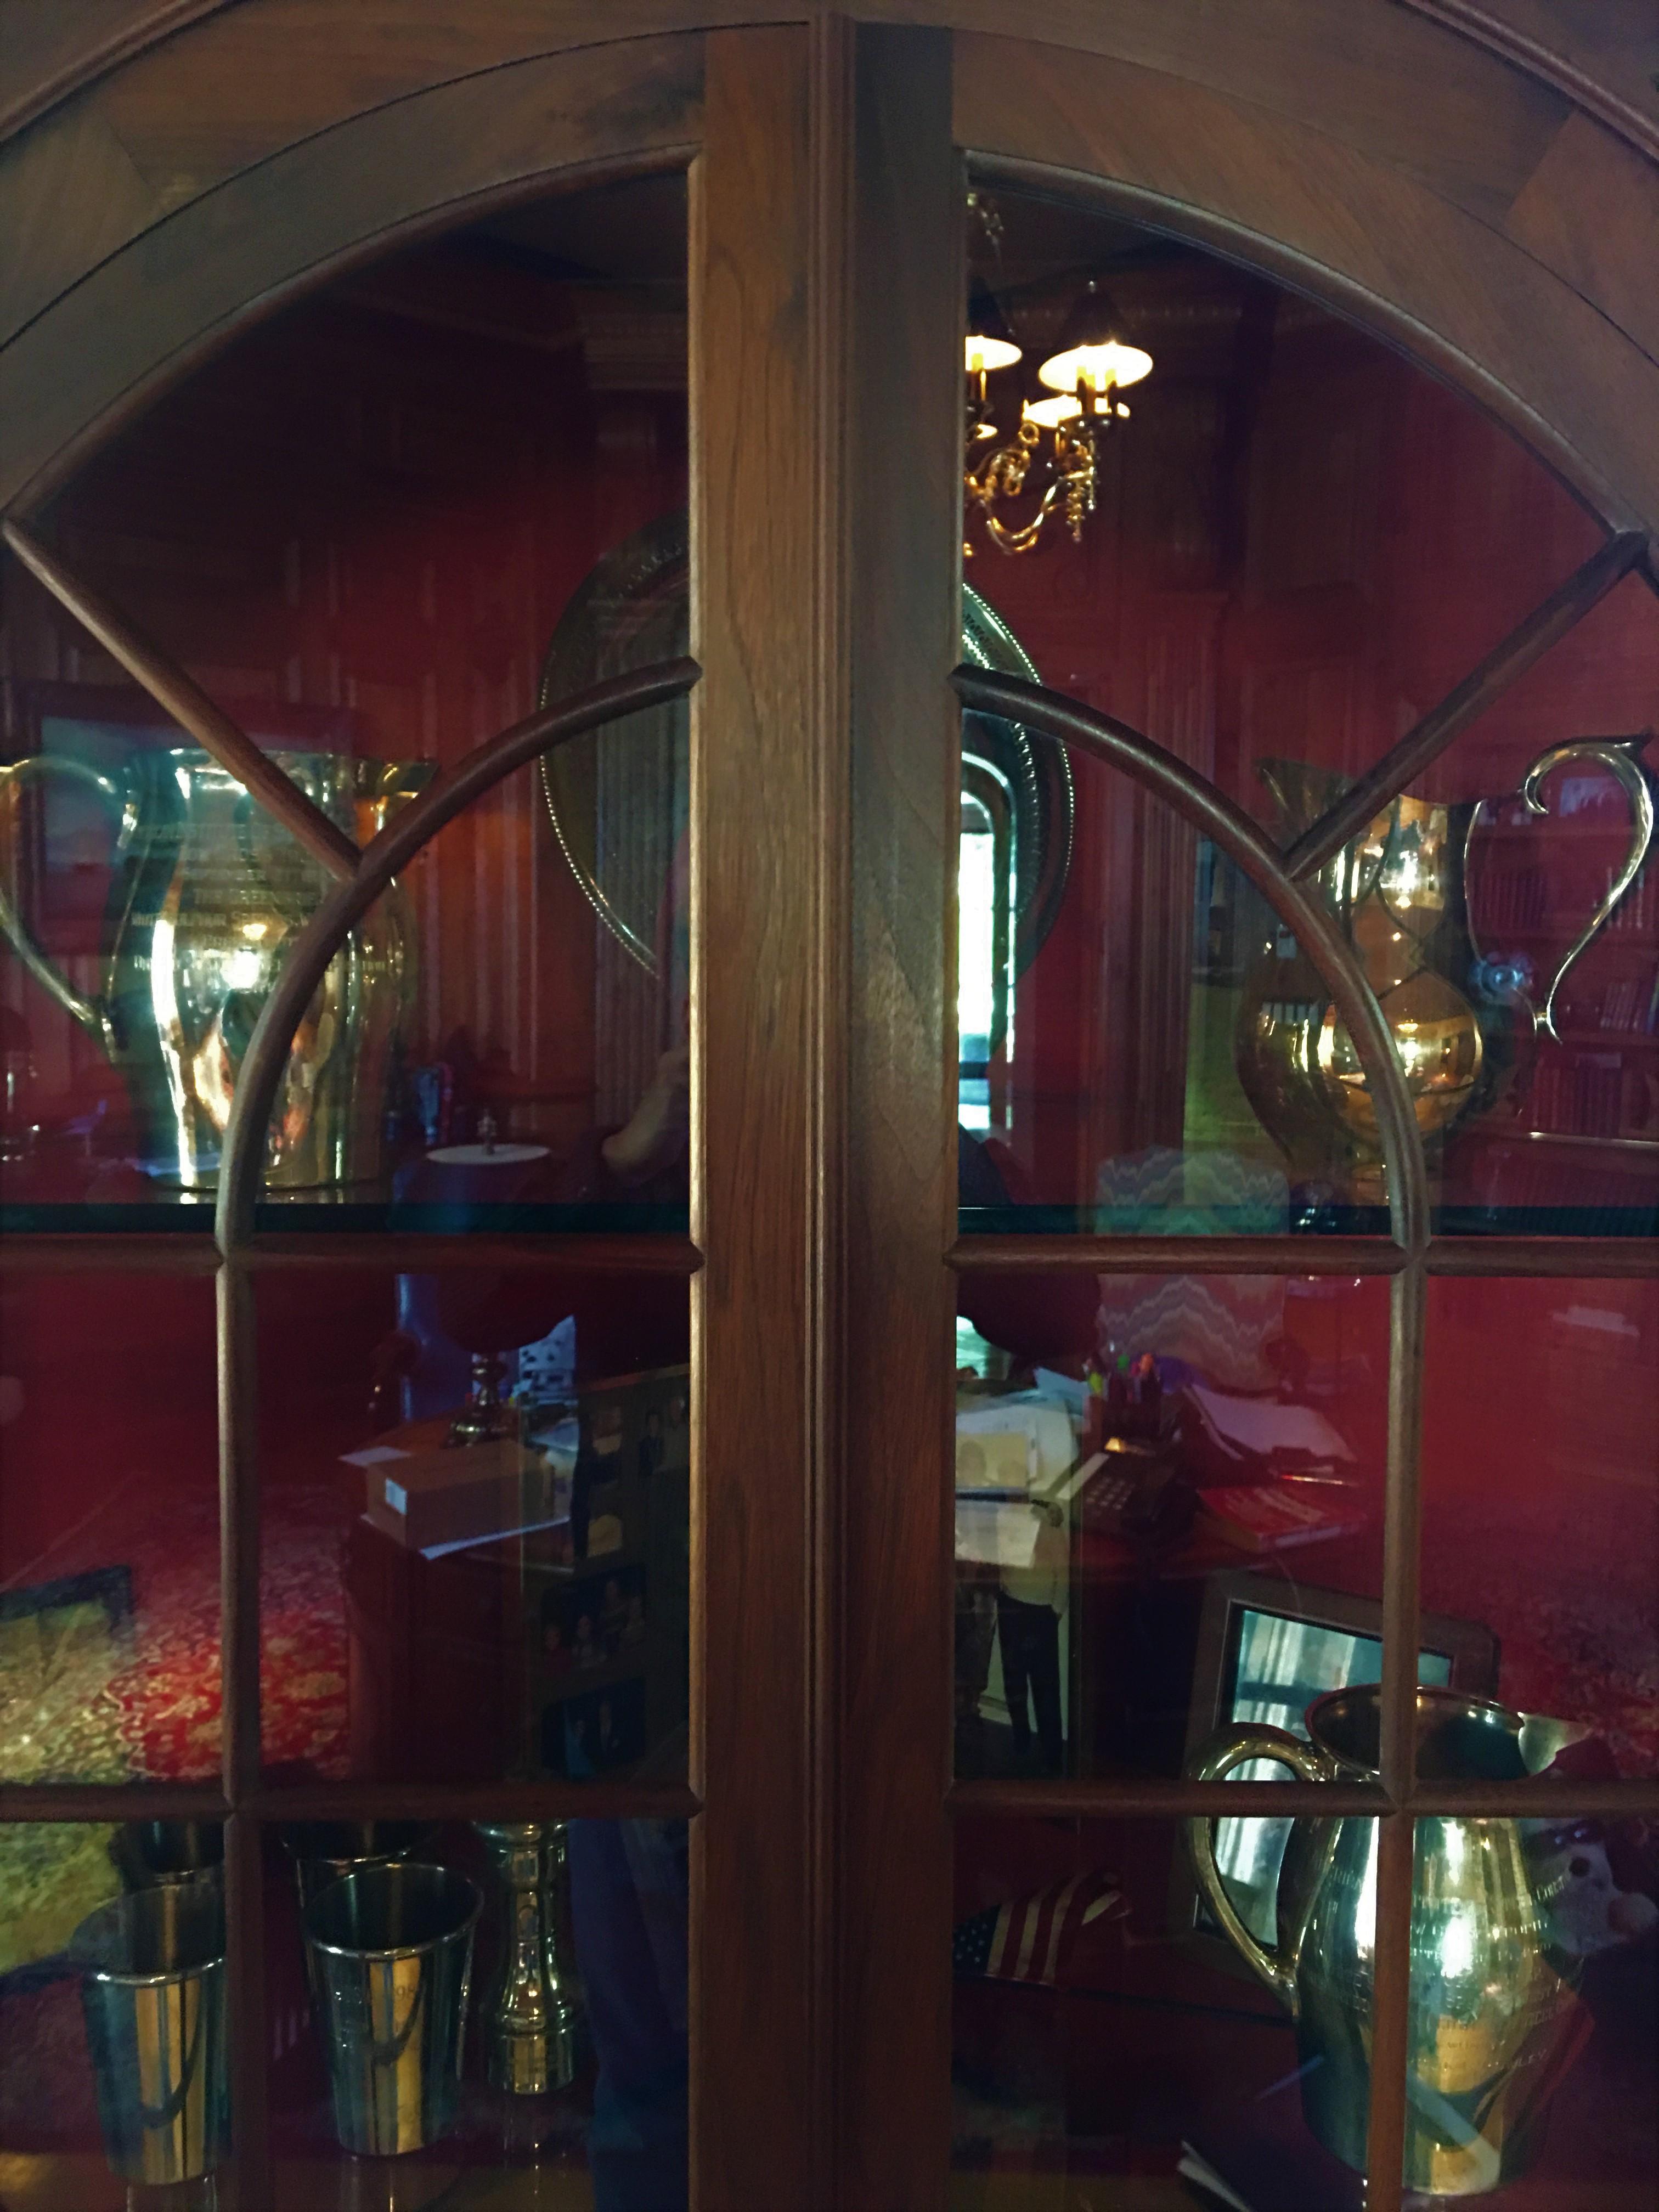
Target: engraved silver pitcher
1494	2015
206	893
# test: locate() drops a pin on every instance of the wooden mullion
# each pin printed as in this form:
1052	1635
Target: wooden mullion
756	739
23	1801
401	1252
247	2033
1546	626
1102	1798
903	461
829	281
106	1252
1158	1797
1591	1258
1401	1562
1540	1797
505	1800
1390	2053
246	2028
1026	1254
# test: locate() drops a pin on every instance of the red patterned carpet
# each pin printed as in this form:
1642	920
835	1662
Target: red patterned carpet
157	1710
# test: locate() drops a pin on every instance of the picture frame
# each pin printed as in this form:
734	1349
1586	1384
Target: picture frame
1267	1647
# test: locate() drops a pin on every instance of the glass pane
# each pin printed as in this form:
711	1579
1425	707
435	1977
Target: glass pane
1533	2023
381	528
109	1529
113	2085
476	1524
1272	558
1168	1497
1540	1506
1107	2036
558	2078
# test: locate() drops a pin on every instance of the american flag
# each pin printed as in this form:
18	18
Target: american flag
1032	1939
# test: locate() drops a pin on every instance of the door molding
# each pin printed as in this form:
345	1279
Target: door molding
1389	162
155	309
1354	231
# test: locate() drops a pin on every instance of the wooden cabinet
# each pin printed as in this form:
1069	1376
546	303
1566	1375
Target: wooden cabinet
337	348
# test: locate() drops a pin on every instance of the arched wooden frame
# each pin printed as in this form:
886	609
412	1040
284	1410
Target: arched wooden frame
1337	154
1379	155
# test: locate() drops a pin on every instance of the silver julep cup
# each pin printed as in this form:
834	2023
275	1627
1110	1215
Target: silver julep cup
153	1992
321	1851
391	1953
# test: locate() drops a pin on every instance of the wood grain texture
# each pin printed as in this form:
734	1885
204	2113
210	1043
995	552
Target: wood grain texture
251	82
1590	212
1604	54
269	72
213	264
898	1407
51	47
753	741
1353	230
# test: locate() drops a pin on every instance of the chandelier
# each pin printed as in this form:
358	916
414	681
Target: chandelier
1052	454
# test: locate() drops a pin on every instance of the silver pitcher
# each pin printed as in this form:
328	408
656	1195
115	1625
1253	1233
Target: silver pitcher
206	893
1493	2008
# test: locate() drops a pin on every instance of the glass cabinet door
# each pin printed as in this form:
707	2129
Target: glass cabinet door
445	1689
1310	995
829	1151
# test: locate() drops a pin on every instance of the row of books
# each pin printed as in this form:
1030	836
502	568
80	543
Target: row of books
1631	1006
1639	907
1580	1096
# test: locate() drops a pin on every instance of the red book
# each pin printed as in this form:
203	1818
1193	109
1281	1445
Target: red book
1271	1516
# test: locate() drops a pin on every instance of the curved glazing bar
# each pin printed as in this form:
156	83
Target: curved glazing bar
395	846
1211	812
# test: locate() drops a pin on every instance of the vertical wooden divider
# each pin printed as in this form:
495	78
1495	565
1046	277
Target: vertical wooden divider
239	1550
757	730
825	377
903	445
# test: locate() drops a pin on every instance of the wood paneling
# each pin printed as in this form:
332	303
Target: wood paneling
232	255
755	732
1590	212
1326	218
1602	53
256	79
1412	103
53	45
895	1518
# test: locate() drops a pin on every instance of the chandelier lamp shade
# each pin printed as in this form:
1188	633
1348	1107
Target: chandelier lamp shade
1052	454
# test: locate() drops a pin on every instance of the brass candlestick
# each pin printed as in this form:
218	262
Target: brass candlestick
536	2021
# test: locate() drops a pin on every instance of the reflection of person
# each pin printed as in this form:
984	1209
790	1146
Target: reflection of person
650	1445
613	1614
628	1894
557	1652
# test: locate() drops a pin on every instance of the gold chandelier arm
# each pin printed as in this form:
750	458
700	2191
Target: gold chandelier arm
1548	622
1023	538
190	707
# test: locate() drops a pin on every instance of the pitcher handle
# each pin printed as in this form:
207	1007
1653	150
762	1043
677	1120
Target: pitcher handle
1618	756
1230	1747
92	1013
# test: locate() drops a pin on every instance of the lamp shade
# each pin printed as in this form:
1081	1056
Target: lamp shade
1093	353
990	344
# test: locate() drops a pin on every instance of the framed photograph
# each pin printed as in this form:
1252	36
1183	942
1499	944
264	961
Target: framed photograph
586	1625
596	1733
1267	1649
